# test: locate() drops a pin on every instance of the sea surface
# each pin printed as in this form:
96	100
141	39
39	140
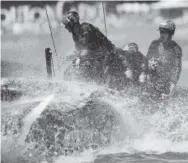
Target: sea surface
152	131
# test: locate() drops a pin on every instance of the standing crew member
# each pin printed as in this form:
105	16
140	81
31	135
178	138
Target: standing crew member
90	43
164	61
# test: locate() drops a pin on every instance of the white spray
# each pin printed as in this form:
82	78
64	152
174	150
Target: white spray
32	116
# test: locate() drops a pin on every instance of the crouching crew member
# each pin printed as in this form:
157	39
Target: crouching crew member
136	64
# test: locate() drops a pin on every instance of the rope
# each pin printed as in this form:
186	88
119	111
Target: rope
104	18
52	37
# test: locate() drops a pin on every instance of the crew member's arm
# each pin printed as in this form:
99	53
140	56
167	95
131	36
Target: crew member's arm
177	68
143	74
108	59
128	69
151	54
129	73
76	53
151	50
88	37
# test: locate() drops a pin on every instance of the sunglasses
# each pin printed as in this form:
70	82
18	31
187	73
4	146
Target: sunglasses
163	32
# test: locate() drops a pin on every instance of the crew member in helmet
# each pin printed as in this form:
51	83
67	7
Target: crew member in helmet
114	69
90	43
135	63
164	61
125	67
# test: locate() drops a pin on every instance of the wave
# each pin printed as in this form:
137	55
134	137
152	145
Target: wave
144	125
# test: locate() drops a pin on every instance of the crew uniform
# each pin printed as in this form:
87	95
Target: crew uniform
90	38
91	46
166	57
115	64
97	47
135	61
125	66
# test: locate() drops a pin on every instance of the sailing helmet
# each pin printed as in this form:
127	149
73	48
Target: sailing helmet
131	47
71	17
168	25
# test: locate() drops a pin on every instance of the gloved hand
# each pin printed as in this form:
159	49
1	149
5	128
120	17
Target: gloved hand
148	78
84	53
71	55
172	88
171	93
76	62
129	74
153	63
142	77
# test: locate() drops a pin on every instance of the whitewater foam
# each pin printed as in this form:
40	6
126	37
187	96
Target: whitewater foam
32	116
84	157
153	128
155	143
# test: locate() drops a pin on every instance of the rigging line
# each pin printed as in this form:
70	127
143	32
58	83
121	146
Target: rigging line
104	18
52	36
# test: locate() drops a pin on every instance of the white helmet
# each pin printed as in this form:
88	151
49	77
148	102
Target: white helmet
131	47
169	25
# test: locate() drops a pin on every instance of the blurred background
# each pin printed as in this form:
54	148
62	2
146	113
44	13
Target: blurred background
25	30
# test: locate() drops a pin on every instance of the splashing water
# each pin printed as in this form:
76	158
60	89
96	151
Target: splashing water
32	116
85	157
147	127
164	130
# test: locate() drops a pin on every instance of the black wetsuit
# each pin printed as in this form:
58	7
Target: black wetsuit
116	64
169	55
137	63
97	47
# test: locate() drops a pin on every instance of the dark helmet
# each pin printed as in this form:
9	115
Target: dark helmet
71	17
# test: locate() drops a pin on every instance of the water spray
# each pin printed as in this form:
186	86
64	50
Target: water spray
32	116
104	15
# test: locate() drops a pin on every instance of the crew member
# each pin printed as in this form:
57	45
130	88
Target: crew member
164	61
91	45
136	63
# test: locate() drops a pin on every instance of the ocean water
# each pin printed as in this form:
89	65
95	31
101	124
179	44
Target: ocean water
150	131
